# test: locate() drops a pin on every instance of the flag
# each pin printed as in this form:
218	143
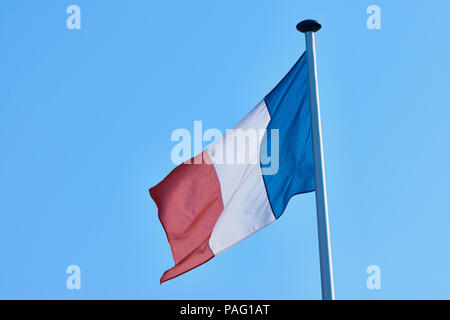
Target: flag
234	188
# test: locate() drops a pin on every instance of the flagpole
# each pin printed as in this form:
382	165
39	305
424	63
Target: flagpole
309	27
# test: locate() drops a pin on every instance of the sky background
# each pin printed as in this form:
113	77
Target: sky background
86	118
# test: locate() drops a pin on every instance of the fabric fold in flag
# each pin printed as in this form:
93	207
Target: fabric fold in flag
220	197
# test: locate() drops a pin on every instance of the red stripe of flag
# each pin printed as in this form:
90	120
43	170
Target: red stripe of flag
189	203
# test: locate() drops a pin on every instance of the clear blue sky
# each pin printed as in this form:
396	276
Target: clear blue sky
85	123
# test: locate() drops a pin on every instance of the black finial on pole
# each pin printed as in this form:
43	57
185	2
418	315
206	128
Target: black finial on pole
309	26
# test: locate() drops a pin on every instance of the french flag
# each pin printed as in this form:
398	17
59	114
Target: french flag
208	204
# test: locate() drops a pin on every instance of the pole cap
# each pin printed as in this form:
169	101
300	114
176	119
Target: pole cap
309	26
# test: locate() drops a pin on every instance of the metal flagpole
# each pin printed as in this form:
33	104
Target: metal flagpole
309	27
